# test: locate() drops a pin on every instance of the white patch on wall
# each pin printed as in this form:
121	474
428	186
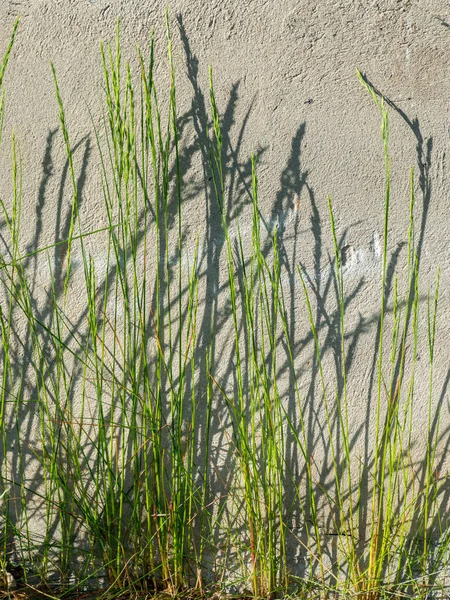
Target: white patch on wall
362	261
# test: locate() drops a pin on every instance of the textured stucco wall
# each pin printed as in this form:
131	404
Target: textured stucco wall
285	79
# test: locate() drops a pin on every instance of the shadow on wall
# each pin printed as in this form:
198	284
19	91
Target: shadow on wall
189	394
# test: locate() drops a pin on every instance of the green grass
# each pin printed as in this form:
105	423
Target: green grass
115	419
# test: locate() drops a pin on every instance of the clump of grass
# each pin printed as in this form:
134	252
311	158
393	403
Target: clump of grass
256	410
120	455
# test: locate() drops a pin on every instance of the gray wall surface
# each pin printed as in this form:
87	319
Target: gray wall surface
286	85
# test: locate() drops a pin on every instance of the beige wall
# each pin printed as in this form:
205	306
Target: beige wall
285	80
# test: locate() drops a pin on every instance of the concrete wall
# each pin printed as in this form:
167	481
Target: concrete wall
286	84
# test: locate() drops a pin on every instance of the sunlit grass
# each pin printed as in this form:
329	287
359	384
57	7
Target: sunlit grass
119	468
